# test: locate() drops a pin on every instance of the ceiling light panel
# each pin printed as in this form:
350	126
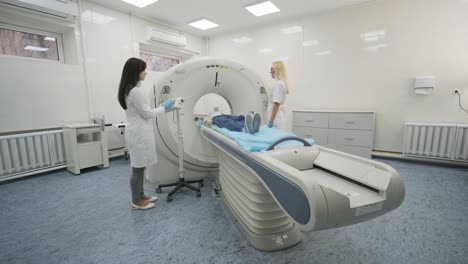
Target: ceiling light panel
140	3
262	9
203	24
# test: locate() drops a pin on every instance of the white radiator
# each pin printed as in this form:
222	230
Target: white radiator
31	153
440	141
461	143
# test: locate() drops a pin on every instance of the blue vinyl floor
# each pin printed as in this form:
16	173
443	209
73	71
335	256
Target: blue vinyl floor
60	218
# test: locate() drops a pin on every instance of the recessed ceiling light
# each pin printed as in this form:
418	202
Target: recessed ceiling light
203	24
49	38
140	3
262	9
36	48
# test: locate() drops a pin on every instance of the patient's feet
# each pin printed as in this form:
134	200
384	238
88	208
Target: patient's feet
248	126
257	120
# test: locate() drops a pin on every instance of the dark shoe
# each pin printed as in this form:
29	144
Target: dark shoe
257	120
248	123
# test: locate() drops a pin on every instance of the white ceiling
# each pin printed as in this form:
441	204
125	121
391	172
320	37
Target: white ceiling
230	15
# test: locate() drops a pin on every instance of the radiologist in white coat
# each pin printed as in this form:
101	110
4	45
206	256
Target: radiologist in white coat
139	132
276	115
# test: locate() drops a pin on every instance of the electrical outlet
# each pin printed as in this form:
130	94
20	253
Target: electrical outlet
456	91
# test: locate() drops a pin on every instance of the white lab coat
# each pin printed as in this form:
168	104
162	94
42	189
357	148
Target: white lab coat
277	94
139	132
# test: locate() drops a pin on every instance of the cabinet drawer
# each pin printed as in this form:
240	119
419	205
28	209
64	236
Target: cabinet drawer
310	119
90	154
362	138
358	151
320	135
364	121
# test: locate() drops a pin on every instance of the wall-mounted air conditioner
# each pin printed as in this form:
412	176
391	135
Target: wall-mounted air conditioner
160	36
66	10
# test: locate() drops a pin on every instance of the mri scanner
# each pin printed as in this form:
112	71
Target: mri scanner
275	195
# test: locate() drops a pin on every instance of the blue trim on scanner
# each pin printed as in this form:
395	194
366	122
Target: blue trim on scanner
288	194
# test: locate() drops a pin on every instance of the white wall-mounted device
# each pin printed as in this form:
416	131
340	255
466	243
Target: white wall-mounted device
169	38
59	9
424	84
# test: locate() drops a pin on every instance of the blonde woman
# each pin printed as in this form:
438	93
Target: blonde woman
276	115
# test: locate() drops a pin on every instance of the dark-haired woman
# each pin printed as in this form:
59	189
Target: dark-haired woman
139	132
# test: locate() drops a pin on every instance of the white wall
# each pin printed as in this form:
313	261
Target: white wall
36	94
422	37
110	38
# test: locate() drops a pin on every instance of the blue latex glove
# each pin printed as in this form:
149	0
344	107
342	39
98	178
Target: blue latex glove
168	103
270	124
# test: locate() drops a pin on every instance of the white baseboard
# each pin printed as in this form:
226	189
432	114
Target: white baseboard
399	156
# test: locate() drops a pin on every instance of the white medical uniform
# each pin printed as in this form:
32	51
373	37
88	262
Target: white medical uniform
139	132
277	94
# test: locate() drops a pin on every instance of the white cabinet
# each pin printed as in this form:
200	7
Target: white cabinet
347	131
85	146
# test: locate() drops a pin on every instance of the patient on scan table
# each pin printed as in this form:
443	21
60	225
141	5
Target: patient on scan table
258	141
237	129
250	123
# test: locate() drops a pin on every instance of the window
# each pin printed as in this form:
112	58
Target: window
157	62
26	42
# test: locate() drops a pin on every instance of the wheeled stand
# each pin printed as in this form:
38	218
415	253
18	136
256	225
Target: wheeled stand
181	182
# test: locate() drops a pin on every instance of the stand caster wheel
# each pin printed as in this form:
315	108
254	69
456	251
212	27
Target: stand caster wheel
200	184
169	198
158	190
198	194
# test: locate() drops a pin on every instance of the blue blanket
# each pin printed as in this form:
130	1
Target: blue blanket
260	140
